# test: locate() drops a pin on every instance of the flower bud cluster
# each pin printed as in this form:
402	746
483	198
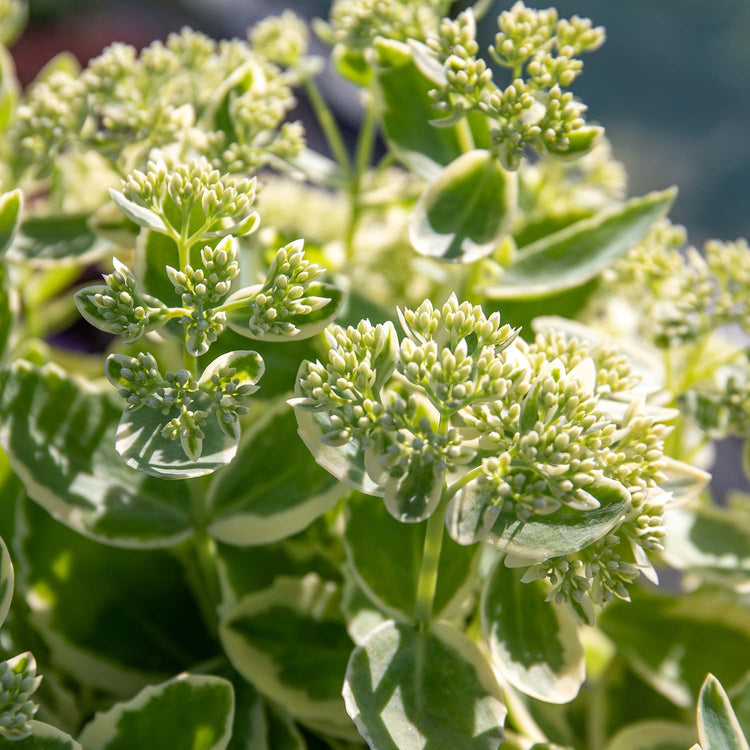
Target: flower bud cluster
285	293
124	104
18	682
282	39
225	202
202	290
541	52
140	383
356	23
452	354
683	295
230	395
120	309
51	115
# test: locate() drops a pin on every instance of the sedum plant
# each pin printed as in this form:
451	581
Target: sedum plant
410	452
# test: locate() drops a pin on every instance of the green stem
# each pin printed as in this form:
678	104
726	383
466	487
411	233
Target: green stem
465	136
329	125
428	571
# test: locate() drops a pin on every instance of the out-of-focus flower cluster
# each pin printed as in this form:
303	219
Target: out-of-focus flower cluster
189	94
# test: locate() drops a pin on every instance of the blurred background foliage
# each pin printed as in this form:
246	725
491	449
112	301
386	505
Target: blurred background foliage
670	84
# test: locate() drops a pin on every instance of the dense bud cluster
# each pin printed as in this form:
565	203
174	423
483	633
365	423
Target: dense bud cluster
194	200
202	291
283	39
283	295
18	681
683	295
514	432
356	23
124	104
534	110
119	307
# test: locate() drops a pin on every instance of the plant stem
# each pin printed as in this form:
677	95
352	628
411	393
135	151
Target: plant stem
329	125
465	137
428	571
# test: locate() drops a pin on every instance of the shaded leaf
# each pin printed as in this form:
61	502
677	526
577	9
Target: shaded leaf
655	734
274	489
579	252
385	557
533	643
411	691
465	212
59	434
193	712
291	643
6	581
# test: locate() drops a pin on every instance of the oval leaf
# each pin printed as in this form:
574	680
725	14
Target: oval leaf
563	532
533	643
274	489
582	250
59	434
291	643
47	240
718	728
89	604
408	691
405	108
190	711
387	570
465	212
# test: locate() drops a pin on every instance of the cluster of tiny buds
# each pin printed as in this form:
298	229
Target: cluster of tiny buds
120	308
195	183
282	39
230	395
283	295
18	681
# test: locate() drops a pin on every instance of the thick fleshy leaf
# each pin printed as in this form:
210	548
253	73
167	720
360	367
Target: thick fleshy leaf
563	532
291	643
414	496
533	643
43	737
351	65
90	605
193	712
673	642
684	482
385	556
405	108
47	240
59	434
407	690
582	250
6	582
141	215
346	462
465	212
307	325
362	616
718	728
153	253
142	446
653	735
713	543
11	205
274	489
